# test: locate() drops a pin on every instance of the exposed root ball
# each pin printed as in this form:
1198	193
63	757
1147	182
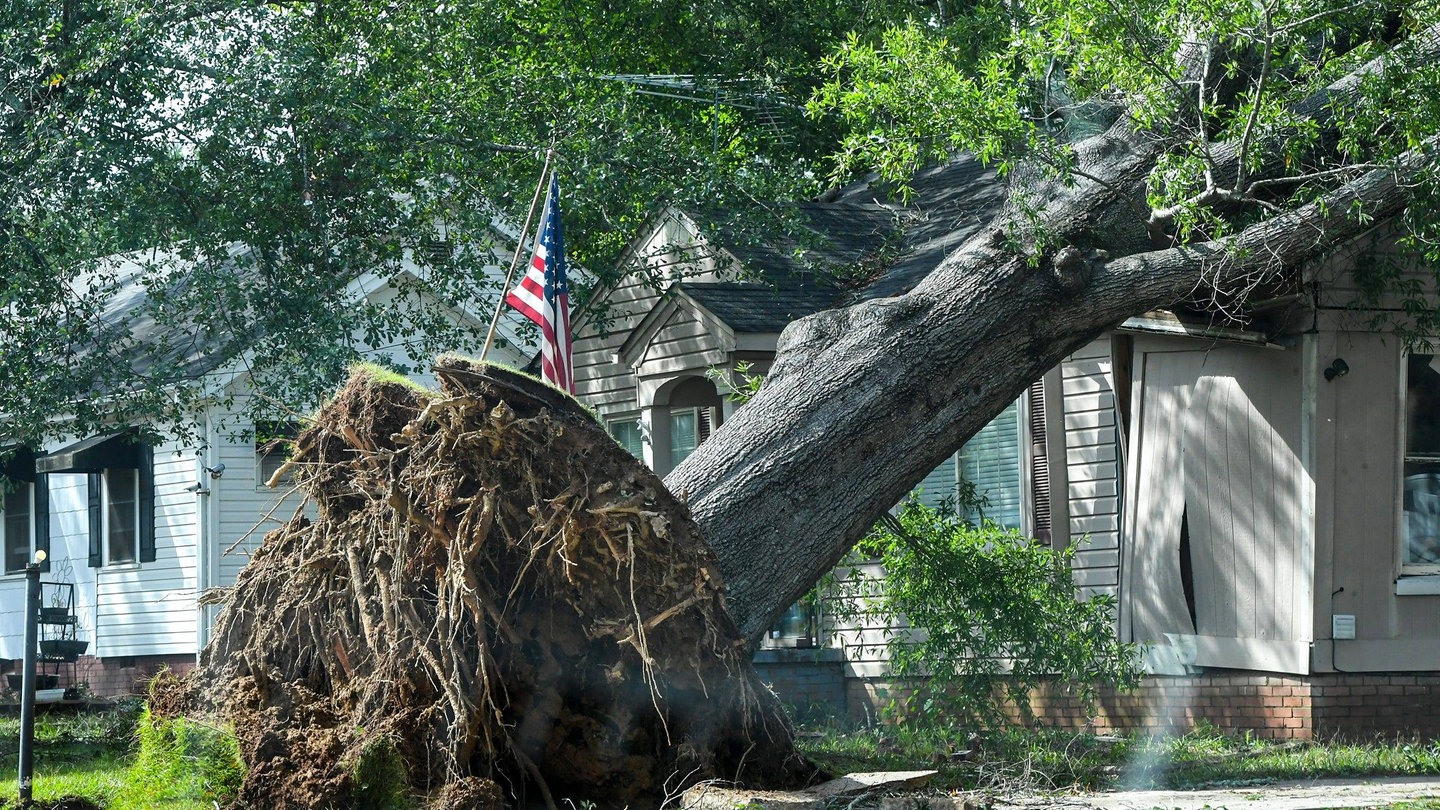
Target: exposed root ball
497	597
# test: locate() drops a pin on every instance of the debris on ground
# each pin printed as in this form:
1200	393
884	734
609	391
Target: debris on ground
494	595
853	788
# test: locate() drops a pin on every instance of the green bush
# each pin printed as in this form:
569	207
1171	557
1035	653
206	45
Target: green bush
986	602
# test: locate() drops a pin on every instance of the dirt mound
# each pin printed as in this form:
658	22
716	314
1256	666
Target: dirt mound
496	602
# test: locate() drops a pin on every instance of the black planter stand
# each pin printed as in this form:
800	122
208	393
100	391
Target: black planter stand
58	642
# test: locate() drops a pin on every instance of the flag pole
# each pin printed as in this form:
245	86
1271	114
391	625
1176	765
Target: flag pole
519	250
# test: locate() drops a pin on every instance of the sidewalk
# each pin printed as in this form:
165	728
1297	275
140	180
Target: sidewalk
1314	795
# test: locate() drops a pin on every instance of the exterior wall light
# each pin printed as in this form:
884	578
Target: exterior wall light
1339	368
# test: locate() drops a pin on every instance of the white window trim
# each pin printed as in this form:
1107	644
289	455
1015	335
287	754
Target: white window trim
105	518
1402	432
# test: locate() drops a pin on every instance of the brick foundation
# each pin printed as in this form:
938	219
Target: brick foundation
116	677
1271	706
809	681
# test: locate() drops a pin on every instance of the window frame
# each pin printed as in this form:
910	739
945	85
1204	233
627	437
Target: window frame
1025	491
29	496
628	419
694	412
280	443
107	516
1404	457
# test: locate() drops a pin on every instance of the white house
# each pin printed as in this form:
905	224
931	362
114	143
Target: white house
143	527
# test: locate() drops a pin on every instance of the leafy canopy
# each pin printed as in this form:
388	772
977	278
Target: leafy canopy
275	151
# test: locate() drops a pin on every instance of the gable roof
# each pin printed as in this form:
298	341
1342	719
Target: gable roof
750	307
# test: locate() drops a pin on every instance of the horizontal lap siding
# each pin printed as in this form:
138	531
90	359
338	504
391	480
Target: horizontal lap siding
242	501
862	635
1092	468
149	608
601	381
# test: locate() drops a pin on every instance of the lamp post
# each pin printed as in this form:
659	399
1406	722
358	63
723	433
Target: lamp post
27	684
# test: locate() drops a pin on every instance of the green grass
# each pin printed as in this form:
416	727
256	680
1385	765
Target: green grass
183	765
118	760
1060	760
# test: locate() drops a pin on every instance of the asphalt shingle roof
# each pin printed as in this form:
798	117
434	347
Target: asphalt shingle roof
952	202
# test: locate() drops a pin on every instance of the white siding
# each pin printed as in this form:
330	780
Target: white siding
602	380
149	608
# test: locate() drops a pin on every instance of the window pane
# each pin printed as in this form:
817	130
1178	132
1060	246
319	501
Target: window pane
938	488
17	528
991	461
627	434
122	509
682	435
1421	500
273	443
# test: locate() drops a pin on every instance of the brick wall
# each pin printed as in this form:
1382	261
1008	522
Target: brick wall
809	681
1271	706
114	677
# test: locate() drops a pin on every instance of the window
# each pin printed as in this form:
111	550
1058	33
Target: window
19	538
1420	500
273	443
24	509
991	460
627	434
122	514
684	434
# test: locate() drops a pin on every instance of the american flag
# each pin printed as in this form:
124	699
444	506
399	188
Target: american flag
543	296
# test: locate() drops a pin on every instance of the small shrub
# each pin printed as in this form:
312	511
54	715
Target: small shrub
986	602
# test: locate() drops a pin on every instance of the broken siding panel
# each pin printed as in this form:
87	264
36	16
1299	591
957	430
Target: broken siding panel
1246	432
1154	595
1217	487
1092	472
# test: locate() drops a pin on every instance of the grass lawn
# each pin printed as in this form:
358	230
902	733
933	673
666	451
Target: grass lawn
95	756
92	755
1056	760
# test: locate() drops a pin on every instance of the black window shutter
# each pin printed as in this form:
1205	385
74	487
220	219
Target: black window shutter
147	503
96	524
40	509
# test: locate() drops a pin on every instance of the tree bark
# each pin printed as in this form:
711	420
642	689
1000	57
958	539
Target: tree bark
863	402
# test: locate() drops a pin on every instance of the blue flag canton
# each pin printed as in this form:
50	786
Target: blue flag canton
555	281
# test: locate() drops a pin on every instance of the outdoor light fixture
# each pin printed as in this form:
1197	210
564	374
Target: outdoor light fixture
1339	368
216	471
40	556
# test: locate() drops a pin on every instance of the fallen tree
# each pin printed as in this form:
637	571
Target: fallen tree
863	401
494	595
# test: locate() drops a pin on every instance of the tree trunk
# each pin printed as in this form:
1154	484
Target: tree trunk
863	402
